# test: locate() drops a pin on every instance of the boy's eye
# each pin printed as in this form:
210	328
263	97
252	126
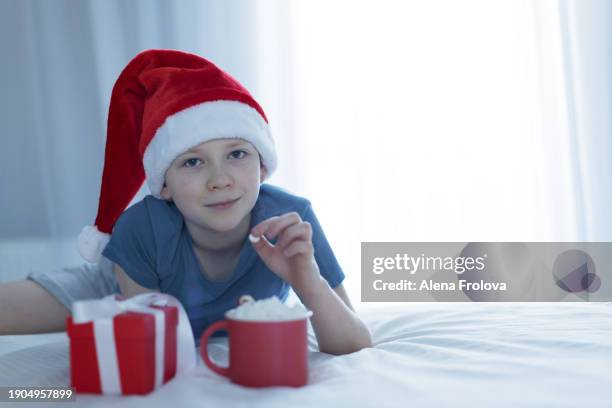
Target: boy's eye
192	162
238	154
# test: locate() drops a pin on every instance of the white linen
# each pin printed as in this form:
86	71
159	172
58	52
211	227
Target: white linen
425	355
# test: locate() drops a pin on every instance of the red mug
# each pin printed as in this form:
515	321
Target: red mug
262	353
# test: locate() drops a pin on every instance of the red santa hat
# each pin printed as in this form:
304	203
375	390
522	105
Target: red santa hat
164	103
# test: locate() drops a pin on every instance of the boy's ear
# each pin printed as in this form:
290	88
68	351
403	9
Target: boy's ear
164	193
263	172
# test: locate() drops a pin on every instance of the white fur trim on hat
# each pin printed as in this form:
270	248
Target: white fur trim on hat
201	123
91	243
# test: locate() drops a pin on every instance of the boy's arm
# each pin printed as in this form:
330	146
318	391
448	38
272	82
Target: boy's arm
341	292
128	287
337	327
27	308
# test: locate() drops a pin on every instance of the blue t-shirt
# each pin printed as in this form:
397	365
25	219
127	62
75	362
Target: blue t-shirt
153	246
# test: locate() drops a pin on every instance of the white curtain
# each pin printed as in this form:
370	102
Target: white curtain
586	28
453	121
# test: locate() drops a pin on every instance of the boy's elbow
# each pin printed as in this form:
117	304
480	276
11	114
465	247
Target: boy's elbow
354	346
366	342
360	342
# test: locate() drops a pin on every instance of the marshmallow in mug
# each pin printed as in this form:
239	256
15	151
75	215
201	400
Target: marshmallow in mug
269	309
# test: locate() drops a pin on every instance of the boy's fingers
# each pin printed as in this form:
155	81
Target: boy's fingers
295	248
262	246
294	232
273	225
262	227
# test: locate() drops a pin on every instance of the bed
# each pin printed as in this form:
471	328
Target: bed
424	355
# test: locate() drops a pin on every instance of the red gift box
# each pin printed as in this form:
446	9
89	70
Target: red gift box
130	365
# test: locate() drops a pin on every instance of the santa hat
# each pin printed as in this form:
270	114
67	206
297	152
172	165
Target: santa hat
164	103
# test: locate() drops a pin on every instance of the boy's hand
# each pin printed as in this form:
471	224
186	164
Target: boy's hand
292	258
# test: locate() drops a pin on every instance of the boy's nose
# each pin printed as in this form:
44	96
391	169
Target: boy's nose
219	179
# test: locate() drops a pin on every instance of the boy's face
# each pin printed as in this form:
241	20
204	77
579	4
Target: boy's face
215	172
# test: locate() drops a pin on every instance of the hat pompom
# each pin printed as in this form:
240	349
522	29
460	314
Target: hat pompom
91	243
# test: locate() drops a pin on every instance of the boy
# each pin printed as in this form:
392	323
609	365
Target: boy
204	147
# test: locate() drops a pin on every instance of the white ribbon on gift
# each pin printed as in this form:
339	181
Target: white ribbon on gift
101	312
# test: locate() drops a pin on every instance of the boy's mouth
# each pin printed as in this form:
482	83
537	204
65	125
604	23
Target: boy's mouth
223	204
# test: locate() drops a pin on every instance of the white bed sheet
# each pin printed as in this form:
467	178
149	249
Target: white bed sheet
425	355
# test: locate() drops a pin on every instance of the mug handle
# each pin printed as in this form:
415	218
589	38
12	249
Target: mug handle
216	326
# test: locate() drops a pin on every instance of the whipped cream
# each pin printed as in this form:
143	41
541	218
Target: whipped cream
269	309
